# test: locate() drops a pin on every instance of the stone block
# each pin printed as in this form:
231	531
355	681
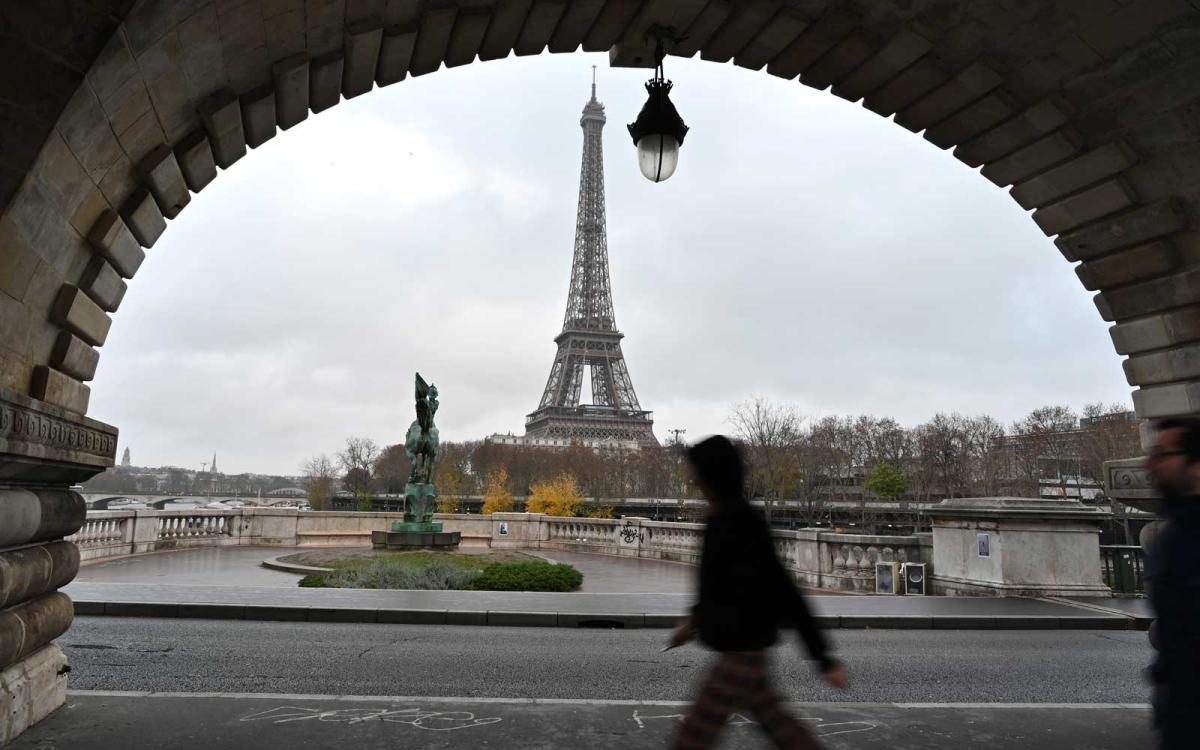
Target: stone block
126	105
469	29
412	616
173	101
1053	184
736	31
770	41
196	161
839	62
901	51
507	17
576	21
1156	331
258	115
1136	227
103	284
395	54
285	34
144	219
120	182
341	614
112	67
811	46
1082	208
17	264
1032	159
30	690
909	85
222	117
1147	261
28	572
142	133
39	620
291	90
433	39
325	81
1165	366
75	311
523	619
972	83
39	515
1173	400
362	56
1031	125
66	182
1152	296
463	617
73	356
160	169
89	211
84	126
973	120
616	17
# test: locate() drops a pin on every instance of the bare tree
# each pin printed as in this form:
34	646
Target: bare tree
1041	447
358	461
768	430
319	477
1111	432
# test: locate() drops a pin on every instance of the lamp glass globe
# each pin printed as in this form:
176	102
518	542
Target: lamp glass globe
658	155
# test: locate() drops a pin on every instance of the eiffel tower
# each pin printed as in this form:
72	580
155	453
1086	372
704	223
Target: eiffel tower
590	339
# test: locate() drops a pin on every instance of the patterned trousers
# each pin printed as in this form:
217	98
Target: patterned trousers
739	683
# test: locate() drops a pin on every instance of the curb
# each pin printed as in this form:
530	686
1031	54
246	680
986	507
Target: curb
275	563
622	620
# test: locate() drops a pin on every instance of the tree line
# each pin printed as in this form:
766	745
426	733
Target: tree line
806	461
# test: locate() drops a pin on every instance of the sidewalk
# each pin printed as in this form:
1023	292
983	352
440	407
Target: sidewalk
282	722
570	609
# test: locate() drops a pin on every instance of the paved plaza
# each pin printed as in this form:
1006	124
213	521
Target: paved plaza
230	583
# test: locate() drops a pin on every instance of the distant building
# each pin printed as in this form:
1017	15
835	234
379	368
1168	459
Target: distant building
125	463
562	443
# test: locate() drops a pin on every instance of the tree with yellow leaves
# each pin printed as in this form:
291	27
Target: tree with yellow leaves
496	497
557	497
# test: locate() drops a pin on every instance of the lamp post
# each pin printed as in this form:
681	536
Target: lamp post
658	131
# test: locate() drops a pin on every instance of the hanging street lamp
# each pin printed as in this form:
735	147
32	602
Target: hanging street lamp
659	130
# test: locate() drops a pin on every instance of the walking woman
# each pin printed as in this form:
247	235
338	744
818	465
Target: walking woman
745	595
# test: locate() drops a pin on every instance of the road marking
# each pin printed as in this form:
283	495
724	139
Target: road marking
578	701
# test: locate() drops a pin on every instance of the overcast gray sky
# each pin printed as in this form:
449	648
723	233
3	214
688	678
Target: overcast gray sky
806	250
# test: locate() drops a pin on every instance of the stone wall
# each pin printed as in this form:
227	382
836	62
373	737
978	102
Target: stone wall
843	562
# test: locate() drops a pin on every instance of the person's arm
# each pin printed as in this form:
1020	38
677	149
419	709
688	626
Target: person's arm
794	609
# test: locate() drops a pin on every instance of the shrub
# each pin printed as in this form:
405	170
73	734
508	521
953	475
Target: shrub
496	497
536	575
558	497
314	581
385	573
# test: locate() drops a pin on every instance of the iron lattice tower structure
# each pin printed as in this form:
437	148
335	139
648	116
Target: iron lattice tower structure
590	339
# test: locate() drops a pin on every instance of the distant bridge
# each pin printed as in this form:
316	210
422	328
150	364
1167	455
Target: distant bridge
103	500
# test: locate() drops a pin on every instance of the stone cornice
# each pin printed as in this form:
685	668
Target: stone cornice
43	444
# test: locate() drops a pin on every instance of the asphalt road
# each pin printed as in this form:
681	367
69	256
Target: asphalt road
173	655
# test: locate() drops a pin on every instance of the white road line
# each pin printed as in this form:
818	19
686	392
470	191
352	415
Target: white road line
573	701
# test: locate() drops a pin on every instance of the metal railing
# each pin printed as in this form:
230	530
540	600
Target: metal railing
1123	568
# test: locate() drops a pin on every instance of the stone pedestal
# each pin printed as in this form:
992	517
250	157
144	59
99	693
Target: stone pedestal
44	450
408	535
1014	546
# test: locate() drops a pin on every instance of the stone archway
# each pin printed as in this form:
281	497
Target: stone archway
113	112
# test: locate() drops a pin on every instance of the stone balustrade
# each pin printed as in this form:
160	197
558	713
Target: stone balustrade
815	558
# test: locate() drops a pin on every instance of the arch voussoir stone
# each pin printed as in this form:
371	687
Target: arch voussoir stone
1086	110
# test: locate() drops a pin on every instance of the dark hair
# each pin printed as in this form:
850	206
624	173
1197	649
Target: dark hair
1189	441
718	464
